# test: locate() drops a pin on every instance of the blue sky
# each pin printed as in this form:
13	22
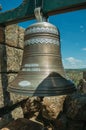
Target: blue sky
72	28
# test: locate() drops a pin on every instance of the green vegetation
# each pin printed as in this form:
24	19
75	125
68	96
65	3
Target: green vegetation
75	74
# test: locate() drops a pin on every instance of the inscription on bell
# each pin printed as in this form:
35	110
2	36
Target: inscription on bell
31	65
24	83
31	69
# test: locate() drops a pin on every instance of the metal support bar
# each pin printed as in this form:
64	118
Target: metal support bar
4	78
26	10
8	108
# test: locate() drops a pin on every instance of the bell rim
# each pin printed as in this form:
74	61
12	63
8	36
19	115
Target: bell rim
43	92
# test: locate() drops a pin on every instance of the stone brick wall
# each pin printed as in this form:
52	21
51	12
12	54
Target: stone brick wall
11	51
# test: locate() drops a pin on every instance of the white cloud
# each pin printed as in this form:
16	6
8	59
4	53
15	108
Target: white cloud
73	63
84	49
72	60
82	28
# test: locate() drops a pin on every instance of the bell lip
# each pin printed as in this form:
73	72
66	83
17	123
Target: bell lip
42	93
63	89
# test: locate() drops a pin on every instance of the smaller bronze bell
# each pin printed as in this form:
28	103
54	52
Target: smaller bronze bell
42	71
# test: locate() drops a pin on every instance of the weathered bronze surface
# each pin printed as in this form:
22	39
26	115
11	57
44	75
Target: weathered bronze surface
41	62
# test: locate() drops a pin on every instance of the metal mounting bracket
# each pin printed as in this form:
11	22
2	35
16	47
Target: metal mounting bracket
26	10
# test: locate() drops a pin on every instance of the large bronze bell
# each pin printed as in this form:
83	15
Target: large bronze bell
42	72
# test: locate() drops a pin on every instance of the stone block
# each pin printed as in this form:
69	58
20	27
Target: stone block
73	125
11	58
10	78
15	98
52	106
75	107
14	36
21	38
11	35
24	124
61	122
16	113
5	121
14	58
1	34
